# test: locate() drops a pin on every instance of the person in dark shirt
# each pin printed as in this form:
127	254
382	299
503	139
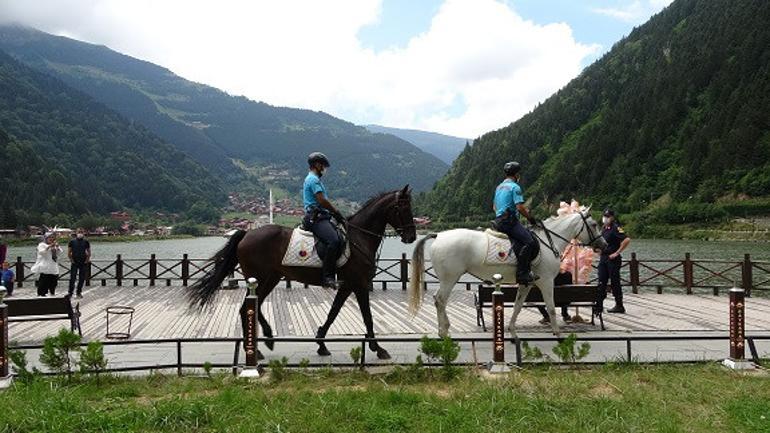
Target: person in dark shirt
7	277
610	260
79	253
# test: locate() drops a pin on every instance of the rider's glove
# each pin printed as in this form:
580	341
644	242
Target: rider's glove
338	216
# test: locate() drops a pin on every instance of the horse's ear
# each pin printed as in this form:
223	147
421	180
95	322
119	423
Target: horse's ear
587	211
406	189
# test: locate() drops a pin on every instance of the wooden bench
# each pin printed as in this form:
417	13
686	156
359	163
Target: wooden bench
569	295
44	308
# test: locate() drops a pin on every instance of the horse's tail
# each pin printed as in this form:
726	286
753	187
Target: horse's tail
225	261
418	270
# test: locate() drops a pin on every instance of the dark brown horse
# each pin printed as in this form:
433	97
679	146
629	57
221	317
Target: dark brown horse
260	252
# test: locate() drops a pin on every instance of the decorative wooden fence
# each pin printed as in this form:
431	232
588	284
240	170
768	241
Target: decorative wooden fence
657	274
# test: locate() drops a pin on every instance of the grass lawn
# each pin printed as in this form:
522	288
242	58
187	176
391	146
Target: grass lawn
702	398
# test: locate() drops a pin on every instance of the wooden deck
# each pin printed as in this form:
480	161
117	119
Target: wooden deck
162	312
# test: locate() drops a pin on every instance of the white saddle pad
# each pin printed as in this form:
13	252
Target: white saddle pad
499	250
301	251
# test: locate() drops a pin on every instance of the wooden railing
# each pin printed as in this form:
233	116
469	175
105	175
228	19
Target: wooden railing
658	274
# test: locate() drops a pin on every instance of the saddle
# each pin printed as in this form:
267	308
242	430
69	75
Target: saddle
303	250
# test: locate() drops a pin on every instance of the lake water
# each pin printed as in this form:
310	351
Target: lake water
201	248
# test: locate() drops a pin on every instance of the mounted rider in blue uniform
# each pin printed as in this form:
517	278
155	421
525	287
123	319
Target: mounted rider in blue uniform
318	214
508	204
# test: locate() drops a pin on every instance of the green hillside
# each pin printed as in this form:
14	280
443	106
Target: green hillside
675	117
230	135
63	153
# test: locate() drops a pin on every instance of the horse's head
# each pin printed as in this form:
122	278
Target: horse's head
400	217
588	231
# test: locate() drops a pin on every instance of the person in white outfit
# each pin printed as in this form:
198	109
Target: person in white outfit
46	265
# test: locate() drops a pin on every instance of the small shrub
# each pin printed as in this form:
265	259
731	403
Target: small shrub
355	354
57	352
19	360
304	363
568	351
444	350
92	359
532	353
278	370
207	366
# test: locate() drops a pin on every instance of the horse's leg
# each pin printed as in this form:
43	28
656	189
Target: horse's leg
521	295
546	289
339	300
362	297
441	298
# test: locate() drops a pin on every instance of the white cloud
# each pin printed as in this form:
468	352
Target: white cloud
478	67
635	12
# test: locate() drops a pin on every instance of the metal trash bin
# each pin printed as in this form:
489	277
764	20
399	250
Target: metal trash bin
119	315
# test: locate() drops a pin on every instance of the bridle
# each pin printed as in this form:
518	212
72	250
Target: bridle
592	238
399	208
401	205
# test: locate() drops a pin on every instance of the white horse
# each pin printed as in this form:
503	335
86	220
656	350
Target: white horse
455	252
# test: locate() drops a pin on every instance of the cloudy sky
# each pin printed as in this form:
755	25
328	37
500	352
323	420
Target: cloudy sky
460	67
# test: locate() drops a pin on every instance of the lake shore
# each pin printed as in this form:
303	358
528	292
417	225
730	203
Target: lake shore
101	239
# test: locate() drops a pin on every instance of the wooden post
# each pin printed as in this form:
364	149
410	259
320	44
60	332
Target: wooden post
747	277
5	373
19	272
737	360
88	274
153	269
404	271
498	346
252	331
634	271
688	279
118	271
737	321
185	269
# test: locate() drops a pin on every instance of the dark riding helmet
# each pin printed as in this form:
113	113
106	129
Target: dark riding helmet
317	157
608	212
512	168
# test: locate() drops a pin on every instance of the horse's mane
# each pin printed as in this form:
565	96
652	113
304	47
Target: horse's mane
372	200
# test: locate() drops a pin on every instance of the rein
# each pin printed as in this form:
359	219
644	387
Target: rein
397	206
548	232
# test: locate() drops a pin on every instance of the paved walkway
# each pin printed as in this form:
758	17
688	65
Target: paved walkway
162	312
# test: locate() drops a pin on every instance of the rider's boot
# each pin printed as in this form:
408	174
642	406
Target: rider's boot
329	271
523	273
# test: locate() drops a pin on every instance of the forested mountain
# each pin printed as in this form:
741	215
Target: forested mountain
678	111
63	153
445	147
230	135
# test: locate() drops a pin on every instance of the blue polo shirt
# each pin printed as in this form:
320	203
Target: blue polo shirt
507	196
312	187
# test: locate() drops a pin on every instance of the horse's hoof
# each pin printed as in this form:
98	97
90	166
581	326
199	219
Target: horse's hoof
260	356
270	343
382	354
323	351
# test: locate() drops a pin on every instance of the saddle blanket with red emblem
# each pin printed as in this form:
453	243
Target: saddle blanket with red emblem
302	252
499	250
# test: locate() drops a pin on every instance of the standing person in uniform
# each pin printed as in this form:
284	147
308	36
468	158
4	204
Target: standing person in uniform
46	265
318	214
508	204
610	260
79	253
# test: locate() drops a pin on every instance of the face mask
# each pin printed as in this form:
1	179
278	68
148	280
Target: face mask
605	220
